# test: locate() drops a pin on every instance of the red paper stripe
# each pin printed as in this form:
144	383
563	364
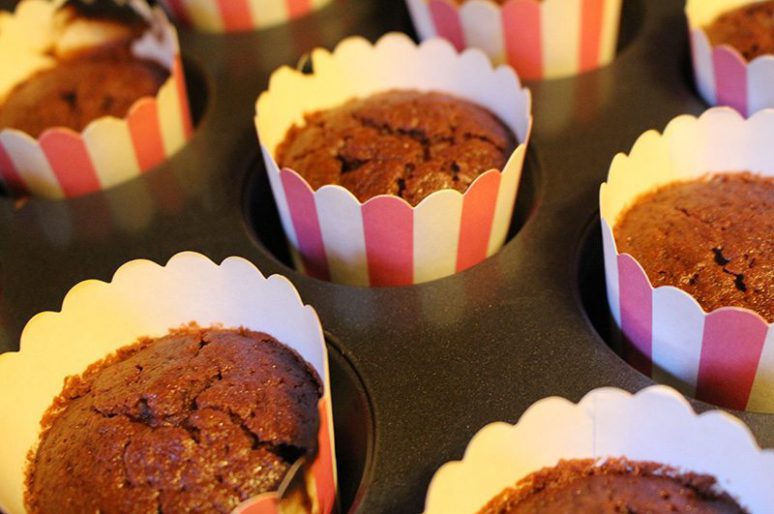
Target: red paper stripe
303	214
322	467
267	504
235	15
636	296
146	134
182	95
730	79
179	10
8	171
446	18
521	28
298	7
69	159
478	210
388	224
731	351
592	12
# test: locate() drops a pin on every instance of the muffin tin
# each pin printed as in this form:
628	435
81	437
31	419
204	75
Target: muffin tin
417	370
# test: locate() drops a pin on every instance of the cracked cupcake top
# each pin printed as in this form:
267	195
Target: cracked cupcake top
399	142
199	420
711	237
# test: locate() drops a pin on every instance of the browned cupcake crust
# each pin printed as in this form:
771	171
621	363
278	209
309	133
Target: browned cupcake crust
749	29
75	93
711	237
400	142
197	421
617	486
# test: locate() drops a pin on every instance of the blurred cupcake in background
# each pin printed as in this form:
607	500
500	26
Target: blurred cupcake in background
733	52
649	452
239	15
394	164
541	39
91	95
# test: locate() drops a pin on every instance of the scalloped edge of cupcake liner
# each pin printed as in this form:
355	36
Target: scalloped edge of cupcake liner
62	163
721	74
655	424
726	356
537	38
145	299
220	16
385	241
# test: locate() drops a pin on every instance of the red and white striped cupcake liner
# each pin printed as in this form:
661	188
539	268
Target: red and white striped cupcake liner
145	299
540	39
726	356
657	424
385	241
721	73
239	15
62	163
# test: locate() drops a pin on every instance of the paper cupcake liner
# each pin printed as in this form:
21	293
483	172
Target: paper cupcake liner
145	299
385	241
62	163
721	73
656	424
541	39
725	357
239	15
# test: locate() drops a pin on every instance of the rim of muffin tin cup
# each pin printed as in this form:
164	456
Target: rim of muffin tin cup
537	37
356	68
656	424
726	356
64	163
145	299
721	73
224	16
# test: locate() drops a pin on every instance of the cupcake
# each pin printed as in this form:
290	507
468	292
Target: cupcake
686	218
649	452
442	201
541	39
239	15
91	95
732	47
224	388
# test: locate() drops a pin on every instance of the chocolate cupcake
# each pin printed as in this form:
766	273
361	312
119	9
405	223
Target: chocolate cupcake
443	197
404	143
611	452
199	420
733	52
78	78
688	256
611	486
541	39
187	419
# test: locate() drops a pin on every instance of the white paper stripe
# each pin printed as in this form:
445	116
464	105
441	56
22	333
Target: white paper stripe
437	236
170	115
420	15
506	196
341	224
109	143
482	25
611	272
267	13
678	330
560	37
760	77
611	21
31	164
205	14
762	395
703	69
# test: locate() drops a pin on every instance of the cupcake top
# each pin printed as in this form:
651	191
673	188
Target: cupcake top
400	142
83	69
749	29
199	420
710	237
614	486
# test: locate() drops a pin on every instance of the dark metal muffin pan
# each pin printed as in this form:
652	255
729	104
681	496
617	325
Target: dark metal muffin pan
416	370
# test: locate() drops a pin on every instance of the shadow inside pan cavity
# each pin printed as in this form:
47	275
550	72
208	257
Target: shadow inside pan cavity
353	427
262	217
